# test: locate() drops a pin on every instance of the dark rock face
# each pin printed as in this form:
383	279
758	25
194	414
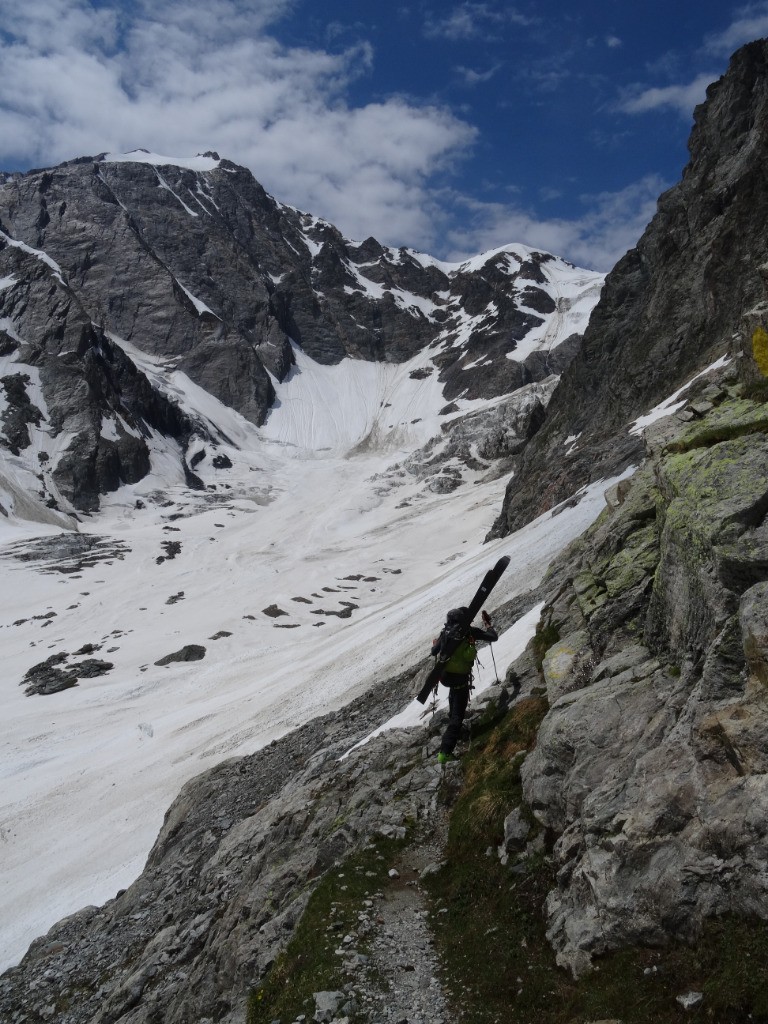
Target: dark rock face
52	675
80	379
107	266
19	412
671	305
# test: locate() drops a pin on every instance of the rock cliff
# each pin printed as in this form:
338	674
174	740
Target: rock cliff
650	764
670	306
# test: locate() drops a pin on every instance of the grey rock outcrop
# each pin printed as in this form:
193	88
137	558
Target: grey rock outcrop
650	766
191	652
671	306
79	380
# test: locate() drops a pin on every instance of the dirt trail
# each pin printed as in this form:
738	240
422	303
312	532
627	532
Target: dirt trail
400	978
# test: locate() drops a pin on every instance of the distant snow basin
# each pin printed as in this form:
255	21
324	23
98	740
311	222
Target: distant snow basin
339	407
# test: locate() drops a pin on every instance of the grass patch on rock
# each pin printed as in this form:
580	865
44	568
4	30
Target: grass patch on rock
310	963
490	928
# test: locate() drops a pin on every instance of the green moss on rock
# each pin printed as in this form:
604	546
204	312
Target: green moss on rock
634	564
709	489
729	421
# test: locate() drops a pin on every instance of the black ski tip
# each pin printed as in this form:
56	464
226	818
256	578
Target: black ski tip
502	563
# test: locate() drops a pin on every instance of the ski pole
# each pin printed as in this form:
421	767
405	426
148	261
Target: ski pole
493	657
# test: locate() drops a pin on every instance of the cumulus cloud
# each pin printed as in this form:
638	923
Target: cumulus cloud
611	224
184	77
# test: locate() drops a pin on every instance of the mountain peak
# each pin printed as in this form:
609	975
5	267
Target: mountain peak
188	264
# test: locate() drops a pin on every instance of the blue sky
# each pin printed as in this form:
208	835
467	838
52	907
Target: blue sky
449	127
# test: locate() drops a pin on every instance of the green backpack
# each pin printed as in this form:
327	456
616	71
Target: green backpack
462	659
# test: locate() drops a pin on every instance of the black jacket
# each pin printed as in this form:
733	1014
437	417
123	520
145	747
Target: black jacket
489	635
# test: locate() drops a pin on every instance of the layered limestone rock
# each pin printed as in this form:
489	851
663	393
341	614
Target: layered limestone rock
671	306
650	766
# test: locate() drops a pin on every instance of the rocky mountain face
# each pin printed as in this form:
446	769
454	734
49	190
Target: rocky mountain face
650	764
643	801
671	305
198	271
645	791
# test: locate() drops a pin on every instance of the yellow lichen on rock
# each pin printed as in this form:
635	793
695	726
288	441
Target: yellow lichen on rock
760	349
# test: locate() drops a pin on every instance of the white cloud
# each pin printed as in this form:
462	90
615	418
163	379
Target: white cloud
44	25
472	21
613	42
184	77
472	77
611	224
750	23
682	98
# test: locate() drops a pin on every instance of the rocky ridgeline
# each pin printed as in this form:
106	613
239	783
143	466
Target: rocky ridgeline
670	306
204	273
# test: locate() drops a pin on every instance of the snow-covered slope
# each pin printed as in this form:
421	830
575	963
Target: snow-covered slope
305	580
310	543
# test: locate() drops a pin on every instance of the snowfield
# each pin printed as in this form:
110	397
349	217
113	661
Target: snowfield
309	574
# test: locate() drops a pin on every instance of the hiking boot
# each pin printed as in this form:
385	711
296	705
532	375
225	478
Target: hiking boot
446	758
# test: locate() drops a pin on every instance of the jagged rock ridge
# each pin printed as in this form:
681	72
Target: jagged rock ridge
671	305
198	270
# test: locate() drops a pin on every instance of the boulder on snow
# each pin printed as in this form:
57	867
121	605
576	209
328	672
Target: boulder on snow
191	652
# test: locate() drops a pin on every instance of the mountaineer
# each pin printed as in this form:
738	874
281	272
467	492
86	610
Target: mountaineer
459	638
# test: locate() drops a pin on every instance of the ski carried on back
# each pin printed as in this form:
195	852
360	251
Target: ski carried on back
490	580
